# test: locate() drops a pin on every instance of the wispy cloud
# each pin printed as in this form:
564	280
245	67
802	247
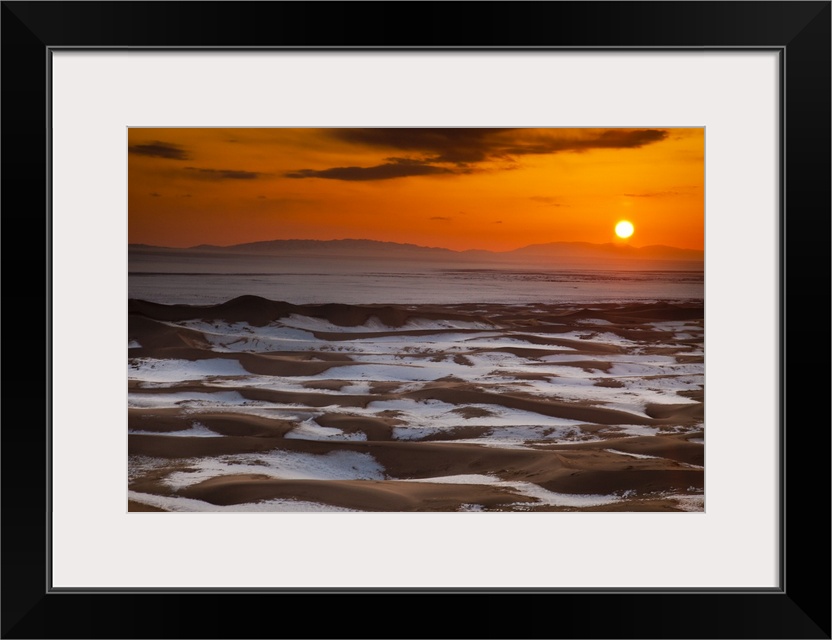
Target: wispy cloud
223	174
394	168
159	149
547	201
555	141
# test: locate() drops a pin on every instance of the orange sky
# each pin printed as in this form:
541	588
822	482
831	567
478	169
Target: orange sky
496	189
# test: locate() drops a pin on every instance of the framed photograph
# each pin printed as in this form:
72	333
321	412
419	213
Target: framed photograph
491	305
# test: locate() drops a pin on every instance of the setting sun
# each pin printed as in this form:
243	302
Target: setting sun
624	229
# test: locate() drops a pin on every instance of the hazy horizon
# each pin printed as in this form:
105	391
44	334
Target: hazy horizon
412	244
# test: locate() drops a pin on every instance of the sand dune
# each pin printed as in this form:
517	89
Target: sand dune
259	312
262	404
368	495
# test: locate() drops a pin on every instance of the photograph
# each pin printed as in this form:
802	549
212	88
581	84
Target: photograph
416	319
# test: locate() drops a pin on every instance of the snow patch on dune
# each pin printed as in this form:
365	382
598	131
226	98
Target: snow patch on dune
154	370
435	415
540	495
550	498
640	456
390	372
218	399
690	503
374	324
197	430
241	336
311	430
282	465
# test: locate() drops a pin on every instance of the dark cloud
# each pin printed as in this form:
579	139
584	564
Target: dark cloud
554	142
394	168
477	145
459	151
498	222
159	149
441	218
223	174
156	195
444	145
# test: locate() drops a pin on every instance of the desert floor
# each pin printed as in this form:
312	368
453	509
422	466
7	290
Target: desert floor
255	405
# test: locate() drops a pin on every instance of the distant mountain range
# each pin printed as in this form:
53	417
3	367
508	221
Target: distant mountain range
393	250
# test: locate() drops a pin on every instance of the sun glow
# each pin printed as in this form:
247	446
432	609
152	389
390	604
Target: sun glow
624	229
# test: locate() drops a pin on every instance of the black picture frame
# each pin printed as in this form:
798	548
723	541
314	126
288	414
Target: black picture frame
798	608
